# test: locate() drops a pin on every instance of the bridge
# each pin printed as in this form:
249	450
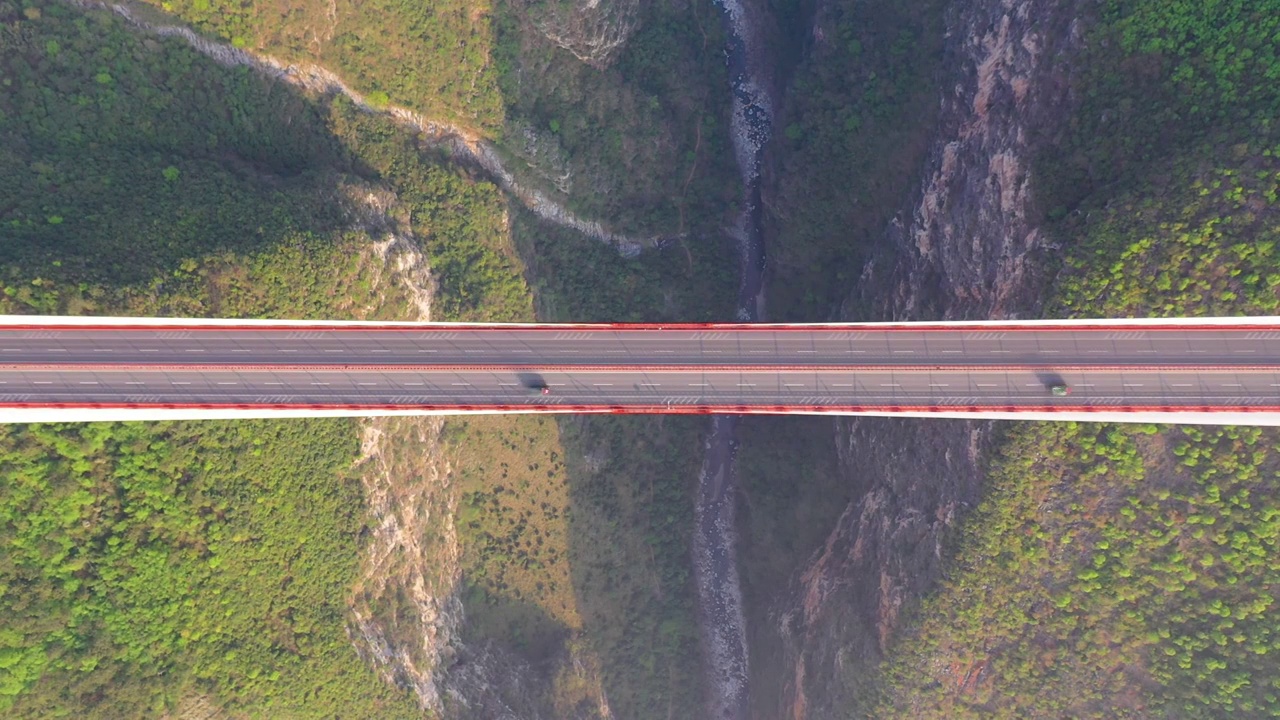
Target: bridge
1202	370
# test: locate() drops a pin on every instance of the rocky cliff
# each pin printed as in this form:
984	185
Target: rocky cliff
967	245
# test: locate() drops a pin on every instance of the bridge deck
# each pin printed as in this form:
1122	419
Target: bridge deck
1111	368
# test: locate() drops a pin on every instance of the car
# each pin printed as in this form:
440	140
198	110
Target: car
1060	390
539	390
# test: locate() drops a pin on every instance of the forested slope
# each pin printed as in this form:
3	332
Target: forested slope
1130	571
148	566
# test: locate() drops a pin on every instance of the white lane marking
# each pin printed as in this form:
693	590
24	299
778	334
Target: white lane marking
904	351
755	351
1133	384
380	351
1098	352
87	382
148	350
602	384
1153	351
986	384
333	350
842	385
415	384
461	384
793	384
504	384
857	351
431	351
615	352
55	350
286	351
1033	384
746	384
713	351
194	350
514	351
1050	352
1239	351
179	383
664	351
1001	351
698	384
41	382
1197	351
134	383
570	351
271	383
806	351
650	384
952	351
228	383
938	385
366	383
1229	384
314	383
1084	384
239	351
103	350
890	385
556	384
1187	385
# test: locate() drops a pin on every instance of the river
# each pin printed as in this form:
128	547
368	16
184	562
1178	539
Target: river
719	588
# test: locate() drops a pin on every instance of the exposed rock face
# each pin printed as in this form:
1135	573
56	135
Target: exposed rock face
593	30
968	246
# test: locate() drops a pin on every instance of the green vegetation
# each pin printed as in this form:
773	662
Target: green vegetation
237	197
121	189
146	562
148	568
578	279
852	135
433	57
644	144
1114	571
1130	571
575	534
605	142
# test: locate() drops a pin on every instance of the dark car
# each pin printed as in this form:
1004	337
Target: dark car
539	390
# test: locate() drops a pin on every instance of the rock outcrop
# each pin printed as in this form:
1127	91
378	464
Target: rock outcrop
593	30
967	247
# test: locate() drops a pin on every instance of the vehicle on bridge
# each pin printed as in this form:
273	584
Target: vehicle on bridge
1060	390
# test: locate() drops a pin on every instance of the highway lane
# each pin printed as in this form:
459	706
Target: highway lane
426	387
762	345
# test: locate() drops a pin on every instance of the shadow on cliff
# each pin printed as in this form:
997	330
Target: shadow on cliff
630	484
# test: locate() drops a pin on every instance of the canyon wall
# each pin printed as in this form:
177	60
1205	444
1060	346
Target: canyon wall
966	246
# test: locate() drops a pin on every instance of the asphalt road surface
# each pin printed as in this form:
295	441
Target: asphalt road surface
548	347
645	370
625	388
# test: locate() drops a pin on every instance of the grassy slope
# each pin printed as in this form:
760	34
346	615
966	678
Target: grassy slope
621	134
145	563
1120	571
